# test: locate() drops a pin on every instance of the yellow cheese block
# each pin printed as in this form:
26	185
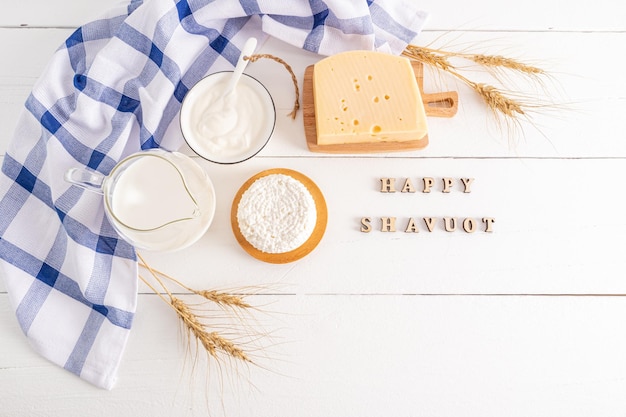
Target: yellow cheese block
367	97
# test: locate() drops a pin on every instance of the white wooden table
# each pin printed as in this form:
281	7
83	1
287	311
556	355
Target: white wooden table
528	320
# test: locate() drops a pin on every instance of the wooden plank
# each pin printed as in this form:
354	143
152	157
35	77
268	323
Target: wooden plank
26	54
355	355
588	126
589	99
550	235
558	229
531	15
54	13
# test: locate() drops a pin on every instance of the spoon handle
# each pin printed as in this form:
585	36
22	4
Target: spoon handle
247	50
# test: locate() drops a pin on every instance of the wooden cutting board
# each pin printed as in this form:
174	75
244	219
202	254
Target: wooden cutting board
443	104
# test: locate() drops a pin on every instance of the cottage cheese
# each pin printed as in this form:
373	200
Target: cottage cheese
276	214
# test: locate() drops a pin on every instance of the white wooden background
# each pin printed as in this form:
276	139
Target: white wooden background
527	321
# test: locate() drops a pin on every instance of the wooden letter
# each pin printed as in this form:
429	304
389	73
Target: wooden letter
428	183
469	225
412	226
488	223
387	185
408	186
430	223
467	182
449	224
447	183
388	224
366	225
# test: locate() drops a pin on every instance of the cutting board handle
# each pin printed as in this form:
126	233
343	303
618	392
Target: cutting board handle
444	104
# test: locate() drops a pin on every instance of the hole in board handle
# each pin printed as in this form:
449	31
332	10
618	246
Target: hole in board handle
446	103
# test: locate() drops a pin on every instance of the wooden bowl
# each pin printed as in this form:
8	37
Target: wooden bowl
306	247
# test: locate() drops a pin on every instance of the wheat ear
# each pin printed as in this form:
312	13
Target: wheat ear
211	341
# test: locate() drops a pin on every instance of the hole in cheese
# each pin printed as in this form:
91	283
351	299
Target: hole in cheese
375	129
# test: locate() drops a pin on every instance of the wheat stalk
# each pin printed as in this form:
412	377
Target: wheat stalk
212	341
221	299
501	101
440	59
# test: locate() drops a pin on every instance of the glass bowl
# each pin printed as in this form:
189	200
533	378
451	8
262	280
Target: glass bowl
227	129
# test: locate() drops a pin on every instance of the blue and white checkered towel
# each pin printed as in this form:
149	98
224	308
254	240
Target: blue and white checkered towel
114	88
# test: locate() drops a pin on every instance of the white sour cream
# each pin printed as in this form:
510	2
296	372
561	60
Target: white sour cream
227	128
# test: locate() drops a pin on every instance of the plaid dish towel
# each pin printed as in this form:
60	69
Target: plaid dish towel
113	88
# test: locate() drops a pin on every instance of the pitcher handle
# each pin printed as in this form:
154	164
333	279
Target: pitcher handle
87	179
